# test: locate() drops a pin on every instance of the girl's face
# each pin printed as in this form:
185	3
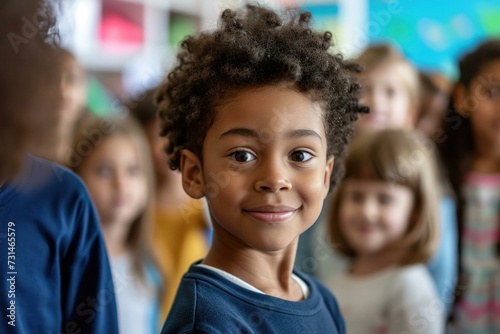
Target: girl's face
374	214
388	98
116	181
485	111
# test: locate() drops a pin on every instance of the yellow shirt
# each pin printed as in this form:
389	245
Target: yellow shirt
179	238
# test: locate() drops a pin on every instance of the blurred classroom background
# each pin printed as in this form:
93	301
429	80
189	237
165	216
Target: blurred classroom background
126	46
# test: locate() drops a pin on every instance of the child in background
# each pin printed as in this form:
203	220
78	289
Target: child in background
470	148
390	89
54	275
385	218
72	91
255	114
180	230
116	167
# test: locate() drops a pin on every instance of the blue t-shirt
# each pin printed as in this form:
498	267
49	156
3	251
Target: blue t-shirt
54	270
206	302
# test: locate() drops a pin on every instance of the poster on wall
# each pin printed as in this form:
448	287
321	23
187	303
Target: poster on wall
434	38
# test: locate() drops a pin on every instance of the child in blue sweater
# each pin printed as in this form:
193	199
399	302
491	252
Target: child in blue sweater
258	114
54	270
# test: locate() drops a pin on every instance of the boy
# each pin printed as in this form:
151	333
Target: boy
256	113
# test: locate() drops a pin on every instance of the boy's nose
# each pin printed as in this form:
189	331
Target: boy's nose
273	178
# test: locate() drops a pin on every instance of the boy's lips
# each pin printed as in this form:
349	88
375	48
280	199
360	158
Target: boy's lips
271	213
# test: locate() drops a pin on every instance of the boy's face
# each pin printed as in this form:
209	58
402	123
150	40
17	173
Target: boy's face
265	172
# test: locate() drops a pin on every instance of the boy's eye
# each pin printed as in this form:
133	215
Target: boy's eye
301	156
242	156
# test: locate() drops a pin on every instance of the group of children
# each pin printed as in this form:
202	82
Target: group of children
258	117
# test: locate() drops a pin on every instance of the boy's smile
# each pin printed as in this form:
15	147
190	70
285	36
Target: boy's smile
264	171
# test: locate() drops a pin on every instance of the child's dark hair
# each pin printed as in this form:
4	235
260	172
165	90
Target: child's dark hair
256	47
456	142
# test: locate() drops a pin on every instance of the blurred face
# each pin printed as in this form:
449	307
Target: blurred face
265	172
388	98
485	115
72	90
116	181
432	113
374	215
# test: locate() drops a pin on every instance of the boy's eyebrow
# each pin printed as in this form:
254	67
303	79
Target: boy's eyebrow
245	132
304	133
240	132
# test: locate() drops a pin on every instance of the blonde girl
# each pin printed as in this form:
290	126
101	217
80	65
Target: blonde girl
384	218
113	158
391	89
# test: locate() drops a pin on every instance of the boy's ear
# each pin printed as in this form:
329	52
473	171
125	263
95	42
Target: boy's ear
328	173
459	96
192	174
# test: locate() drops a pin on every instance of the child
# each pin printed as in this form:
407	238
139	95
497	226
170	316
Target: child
116	167
384	217
390	88
469	143
54	274
255	114
180	230
70	107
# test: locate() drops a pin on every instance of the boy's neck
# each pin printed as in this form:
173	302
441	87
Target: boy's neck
268	272
368	264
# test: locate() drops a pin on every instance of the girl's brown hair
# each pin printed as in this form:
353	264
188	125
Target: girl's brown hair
404	158
90	132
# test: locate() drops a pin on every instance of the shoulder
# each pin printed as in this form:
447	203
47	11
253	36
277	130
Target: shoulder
327	297
414	300
49	181
197	307
413	283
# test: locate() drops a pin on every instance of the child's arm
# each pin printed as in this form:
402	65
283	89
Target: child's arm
88	300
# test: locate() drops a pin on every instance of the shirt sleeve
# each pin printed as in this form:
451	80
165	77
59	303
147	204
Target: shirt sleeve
88	299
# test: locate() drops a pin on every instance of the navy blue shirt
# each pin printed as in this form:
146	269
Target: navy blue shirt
206	302
54	270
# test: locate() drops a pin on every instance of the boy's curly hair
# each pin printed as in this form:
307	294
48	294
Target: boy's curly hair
256	47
